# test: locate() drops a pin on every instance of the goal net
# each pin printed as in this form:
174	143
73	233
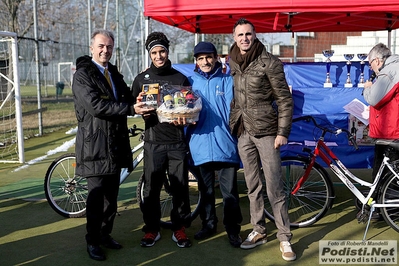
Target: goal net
11	133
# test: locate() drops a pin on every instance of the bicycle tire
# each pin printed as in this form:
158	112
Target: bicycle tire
390	194
65	191
313	199
166	199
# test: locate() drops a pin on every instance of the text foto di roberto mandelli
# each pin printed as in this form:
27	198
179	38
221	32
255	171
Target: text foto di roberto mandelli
384	251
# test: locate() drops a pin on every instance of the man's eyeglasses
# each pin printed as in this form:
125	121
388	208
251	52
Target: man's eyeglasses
372	61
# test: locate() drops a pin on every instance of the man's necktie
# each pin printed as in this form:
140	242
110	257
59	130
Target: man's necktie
107	77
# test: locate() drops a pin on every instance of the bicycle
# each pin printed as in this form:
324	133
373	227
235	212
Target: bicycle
67	193
310	192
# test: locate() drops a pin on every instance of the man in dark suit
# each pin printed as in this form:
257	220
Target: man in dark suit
102	103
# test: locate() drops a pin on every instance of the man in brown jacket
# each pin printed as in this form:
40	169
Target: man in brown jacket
260	88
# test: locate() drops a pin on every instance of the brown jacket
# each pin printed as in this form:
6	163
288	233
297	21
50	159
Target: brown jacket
262	99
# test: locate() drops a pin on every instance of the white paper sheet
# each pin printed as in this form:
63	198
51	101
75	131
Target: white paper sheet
359	110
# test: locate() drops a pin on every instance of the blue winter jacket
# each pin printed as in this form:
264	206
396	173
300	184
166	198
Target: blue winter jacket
210	139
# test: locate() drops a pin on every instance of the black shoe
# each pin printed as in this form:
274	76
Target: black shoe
205	233
111	243
235	240
95	252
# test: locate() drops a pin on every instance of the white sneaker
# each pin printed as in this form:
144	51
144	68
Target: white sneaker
286	251
254	239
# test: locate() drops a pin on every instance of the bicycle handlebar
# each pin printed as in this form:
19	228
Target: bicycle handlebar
338	131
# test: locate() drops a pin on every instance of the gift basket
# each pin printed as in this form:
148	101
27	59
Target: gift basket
178	102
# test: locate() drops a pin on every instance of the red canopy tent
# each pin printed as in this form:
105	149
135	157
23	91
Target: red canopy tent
211	16
219	16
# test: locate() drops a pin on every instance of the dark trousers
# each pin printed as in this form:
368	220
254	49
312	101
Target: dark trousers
379	152
227	174
159	159
101	207
378	158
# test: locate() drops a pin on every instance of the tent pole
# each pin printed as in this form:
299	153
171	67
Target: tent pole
389	39
89	21
295	46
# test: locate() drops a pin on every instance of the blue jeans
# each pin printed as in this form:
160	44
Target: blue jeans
227	175
254	153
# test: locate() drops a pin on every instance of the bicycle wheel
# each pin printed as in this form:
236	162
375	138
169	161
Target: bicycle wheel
390	195
166	198
313	199
65	192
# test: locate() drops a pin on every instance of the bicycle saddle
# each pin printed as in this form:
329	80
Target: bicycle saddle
394	143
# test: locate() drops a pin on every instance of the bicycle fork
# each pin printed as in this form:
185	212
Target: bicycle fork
305	176
303	179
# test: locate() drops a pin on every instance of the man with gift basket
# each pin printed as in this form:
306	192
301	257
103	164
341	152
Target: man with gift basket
213	148
165	148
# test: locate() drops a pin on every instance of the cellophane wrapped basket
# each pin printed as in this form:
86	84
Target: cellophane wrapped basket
178	102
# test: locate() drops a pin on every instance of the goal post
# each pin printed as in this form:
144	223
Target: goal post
11	135
65	72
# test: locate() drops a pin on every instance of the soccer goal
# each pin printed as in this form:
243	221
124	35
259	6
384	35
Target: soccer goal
65	72
11	132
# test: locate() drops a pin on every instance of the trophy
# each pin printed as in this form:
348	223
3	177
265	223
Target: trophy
348	57
328	54
362	57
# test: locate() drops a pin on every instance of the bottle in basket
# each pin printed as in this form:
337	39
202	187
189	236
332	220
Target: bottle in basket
168	100
190	100
179	99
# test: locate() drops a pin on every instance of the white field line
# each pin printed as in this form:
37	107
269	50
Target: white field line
63	148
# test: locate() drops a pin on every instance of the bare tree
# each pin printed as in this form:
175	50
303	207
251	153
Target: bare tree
63	32
9	14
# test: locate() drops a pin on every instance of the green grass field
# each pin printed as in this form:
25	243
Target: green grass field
31	233
46	92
